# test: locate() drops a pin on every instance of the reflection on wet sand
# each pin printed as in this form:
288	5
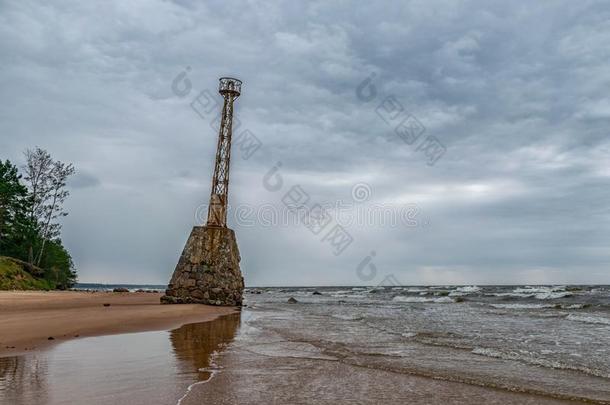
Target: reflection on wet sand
139	368
193	344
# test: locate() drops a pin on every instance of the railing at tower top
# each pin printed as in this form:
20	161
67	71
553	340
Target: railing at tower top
229	85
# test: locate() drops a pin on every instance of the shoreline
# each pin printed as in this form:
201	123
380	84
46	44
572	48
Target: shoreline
250	368
35	320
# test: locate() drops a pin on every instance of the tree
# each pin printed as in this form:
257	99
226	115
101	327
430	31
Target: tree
46	180
30	214
58	265
53	210
13	205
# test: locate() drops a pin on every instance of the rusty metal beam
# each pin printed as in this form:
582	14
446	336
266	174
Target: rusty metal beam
230	89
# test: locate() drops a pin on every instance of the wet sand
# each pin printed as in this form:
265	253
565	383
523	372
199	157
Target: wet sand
144	368
263	367
251	378
222	361
28	319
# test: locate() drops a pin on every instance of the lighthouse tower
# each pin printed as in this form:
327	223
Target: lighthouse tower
208	270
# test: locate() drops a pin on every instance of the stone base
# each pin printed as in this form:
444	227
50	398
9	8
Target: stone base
208	270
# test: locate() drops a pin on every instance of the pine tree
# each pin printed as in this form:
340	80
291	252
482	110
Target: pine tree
13	208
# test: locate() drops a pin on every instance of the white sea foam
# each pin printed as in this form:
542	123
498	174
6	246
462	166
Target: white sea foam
400	298
213	369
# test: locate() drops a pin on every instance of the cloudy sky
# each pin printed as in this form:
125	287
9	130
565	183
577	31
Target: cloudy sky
507	183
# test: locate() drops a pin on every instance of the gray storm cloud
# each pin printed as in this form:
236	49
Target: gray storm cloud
514	95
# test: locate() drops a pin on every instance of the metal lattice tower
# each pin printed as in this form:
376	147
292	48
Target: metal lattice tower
230	89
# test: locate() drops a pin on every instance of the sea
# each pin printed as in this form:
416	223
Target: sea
526	344
110	287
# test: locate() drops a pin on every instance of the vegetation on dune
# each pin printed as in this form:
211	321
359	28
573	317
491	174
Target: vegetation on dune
14	276
30	209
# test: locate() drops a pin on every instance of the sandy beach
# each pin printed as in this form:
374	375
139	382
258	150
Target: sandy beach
337	345
31	320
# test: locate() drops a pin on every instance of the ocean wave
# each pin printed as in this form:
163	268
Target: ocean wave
530	358
522	306
543	293
538	306
589	319
540	293
416	290
538	289
348	295
511	294
303	350
400	298
340	292
347	317
465	290
551	295
469	288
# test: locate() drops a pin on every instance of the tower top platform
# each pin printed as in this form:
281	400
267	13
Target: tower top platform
229	85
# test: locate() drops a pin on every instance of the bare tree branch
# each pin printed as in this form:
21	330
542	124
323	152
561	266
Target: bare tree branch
46	180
